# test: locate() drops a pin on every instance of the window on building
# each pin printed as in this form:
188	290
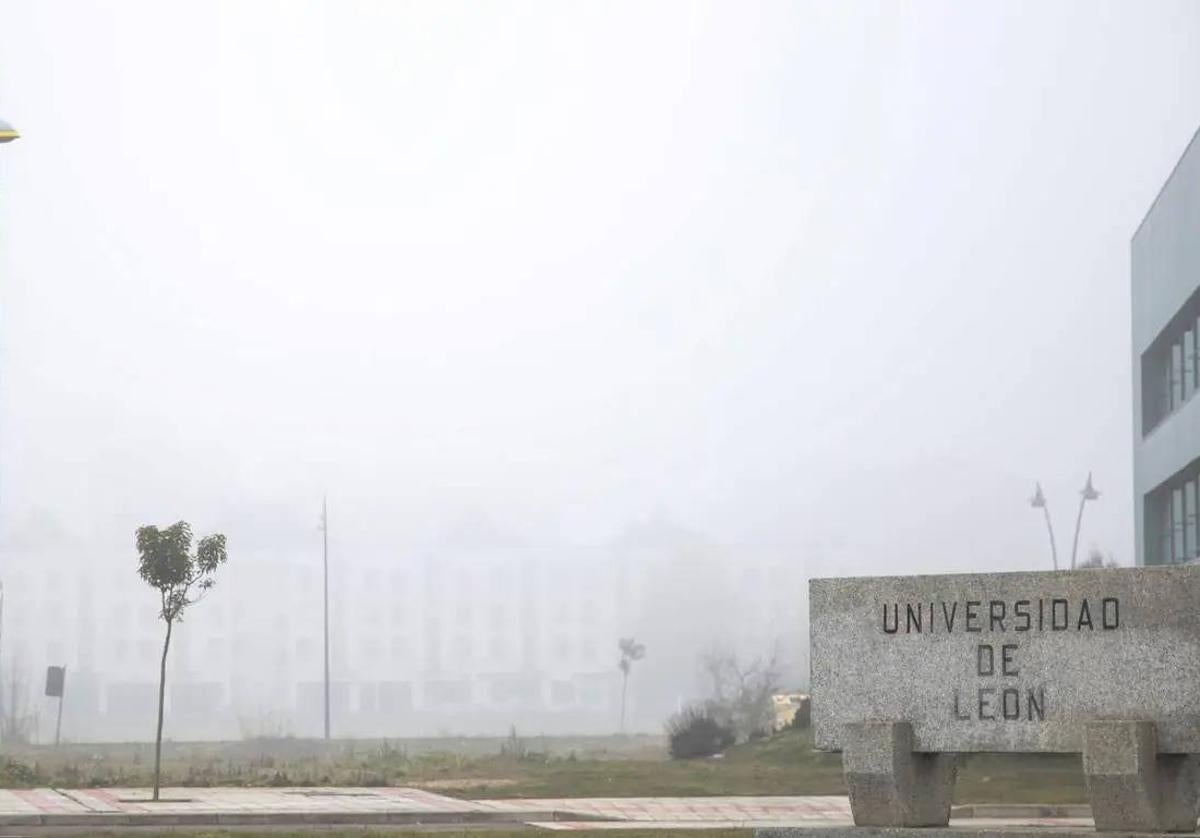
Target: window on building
1177	529
1164	532
1189	364
562	693
1172	518
395	696
1189	510
1196	351
1171	366
1176	376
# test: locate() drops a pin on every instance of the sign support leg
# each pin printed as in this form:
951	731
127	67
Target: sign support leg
1132	787
889	784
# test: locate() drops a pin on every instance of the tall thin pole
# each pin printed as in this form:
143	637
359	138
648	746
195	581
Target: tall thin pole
62	694
1088	493
1038	501
1	668
325	553
1078	521
1050	529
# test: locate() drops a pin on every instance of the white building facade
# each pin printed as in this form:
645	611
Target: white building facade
1166	369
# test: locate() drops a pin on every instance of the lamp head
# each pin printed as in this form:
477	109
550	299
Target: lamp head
1038	501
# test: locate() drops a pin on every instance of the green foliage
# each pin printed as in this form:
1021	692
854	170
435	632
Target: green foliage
167	564
695	732
630	651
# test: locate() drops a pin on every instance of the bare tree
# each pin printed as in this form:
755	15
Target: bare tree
630	651
19	721
739	691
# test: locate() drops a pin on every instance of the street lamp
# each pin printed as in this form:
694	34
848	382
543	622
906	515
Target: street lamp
7	135
325	562
1038	501
1087	493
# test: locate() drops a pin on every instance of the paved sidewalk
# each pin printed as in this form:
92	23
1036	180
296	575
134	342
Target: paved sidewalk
394	806
688	812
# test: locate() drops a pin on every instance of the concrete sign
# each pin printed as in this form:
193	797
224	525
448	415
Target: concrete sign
1008	661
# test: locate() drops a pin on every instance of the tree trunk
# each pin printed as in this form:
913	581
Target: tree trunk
162	686
624	687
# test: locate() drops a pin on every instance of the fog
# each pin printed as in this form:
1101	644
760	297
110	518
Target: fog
590	320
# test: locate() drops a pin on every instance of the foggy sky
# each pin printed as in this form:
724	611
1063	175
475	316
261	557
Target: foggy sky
848	274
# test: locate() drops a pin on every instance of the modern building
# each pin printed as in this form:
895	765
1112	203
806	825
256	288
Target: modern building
1166	369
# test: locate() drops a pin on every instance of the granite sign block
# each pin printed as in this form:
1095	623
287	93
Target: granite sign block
1008	661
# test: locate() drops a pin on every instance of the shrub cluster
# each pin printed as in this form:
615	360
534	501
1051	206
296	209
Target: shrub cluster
696	732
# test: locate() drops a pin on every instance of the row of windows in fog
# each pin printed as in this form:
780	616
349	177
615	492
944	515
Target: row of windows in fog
200	699
1173	521
494	578
1171	366
463	649
498	616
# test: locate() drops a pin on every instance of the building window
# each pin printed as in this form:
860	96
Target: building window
1172	514
1189	364
1189	512
1171	366
1177	524
1176	376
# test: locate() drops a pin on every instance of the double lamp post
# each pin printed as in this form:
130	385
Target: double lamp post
1038	501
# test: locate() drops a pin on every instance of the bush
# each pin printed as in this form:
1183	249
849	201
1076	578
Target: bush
695	732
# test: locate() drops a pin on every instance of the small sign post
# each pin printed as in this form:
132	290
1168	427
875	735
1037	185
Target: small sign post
56	681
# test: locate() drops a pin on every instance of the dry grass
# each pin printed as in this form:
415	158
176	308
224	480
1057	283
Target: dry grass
490	768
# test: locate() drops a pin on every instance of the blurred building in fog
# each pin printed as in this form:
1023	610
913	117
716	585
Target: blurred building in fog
1166	369
470	635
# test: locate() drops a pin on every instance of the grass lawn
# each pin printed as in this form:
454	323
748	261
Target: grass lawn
784	764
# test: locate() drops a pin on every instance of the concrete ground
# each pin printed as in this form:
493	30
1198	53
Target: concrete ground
63	809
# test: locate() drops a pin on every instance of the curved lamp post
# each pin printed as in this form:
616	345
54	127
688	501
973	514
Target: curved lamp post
1087	493
1038	501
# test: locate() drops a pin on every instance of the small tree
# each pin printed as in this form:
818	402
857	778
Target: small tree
182	578
631	651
